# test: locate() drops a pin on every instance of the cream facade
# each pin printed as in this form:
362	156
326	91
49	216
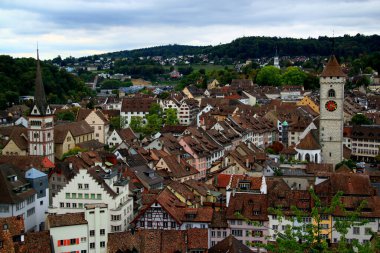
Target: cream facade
85	189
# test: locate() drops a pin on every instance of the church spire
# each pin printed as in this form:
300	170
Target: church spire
39	92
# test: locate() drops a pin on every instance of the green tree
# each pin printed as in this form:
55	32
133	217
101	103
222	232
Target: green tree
293	76
269	75
66	115
301	238
136	123
155	109
116	122
153	125
349	163
360	119
171	117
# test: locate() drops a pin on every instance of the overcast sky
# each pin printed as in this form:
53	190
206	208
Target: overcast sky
85	27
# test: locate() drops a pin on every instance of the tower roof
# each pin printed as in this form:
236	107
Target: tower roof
309	142
39	92
332	68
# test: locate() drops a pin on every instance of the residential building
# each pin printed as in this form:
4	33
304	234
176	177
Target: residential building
135	107
24	195
187	111
93	186
98	121
364	141
80	232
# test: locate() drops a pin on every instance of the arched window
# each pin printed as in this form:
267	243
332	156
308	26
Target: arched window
331	93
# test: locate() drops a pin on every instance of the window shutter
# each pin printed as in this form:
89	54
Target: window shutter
77	241
59	243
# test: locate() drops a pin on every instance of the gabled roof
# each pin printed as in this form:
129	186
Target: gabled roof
75	128
158	241
309	142
19	137
229	245
34	173
250	206
332	68
13	191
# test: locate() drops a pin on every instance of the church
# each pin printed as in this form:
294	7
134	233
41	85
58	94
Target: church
34	144
324	144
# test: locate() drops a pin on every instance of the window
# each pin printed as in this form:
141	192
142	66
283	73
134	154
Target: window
4	208
356	230
149	215
102	231
74	205
30	212
165	224
67	195
324	217
142	223
92	232
85	186
237	232
324	226
224	234
331	93
165	215
212	233
30	200
275	227
73	241
83	251
83	239
99	128
274	217
74	195
80	195
173	224
92	245
102	244
86	196
68	205
149	224
99	196
92	195
62	204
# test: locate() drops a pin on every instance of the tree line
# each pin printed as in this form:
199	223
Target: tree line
17	78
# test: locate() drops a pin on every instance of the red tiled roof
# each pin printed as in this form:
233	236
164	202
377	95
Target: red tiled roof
309	142
332	68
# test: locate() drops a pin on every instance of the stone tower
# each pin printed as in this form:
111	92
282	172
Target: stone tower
332	82
40	122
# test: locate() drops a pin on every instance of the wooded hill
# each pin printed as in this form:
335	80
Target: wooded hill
256	47
17	78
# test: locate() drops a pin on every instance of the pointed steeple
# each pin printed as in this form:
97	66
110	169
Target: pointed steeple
333	68
39	92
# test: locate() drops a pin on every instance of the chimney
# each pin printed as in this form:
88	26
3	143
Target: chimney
228	196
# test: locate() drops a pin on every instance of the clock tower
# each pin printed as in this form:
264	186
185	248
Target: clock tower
40	122
332	82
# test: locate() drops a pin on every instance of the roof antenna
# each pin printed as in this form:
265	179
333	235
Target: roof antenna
38	57
333	45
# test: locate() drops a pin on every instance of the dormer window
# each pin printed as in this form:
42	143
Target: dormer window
35	111
5	227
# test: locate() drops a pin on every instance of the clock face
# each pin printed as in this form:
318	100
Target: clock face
331	106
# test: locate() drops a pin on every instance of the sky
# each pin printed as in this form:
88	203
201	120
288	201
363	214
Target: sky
86	27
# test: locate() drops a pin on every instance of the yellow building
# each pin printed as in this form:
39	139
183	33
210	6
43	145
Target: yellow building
309	102
325	225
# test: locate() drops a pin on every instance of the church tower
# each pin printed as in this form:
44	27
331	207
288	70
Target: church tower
276	60
40	122
332	82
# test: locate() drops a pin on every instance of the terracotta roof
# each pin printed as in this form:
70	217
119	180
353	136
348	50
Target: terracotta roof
158	241
15	229
350	185
219	219
309	142
137	104
332	68
68	219
19	137
127	134
231	245
250	206
37	242
178	169
197	214
23	163
75	128
200	187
